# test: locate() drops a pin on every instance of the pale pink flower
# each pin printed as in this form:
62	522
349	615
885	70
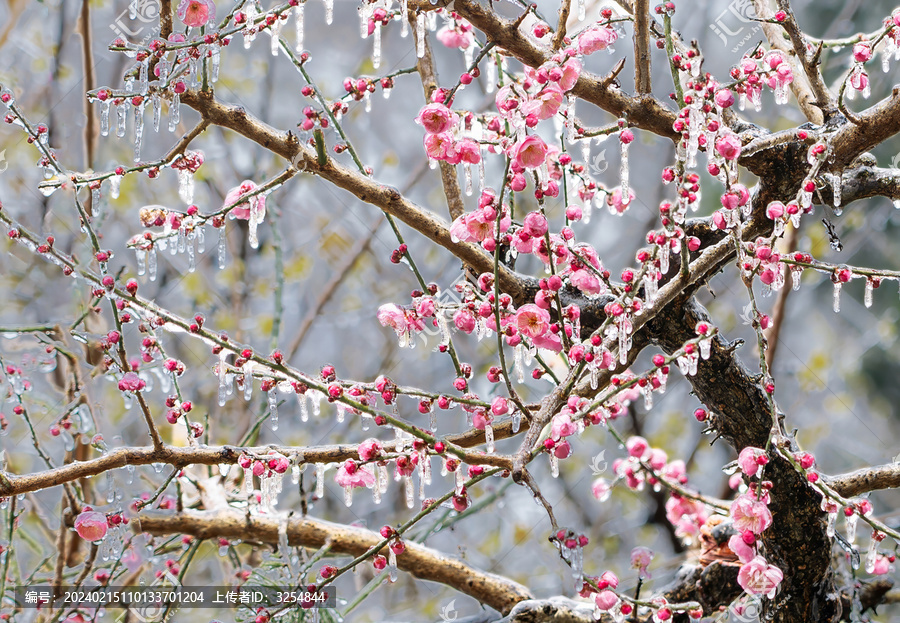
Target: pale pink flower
425	308
571	69
882	565
530	152
464	320
595	39
436	118
390	315
131	382
758	577
637	447
728	146
369	450
256	202
587	282
601	489
546	103
455	37
562	450
196	13
724	98
499	406
548	341
351	475
640	560
658	458
686	515
744	552
91	525
469	151
562	426
751	514
616	201
748	460
535	224
862	51
441	146
606	600
532	321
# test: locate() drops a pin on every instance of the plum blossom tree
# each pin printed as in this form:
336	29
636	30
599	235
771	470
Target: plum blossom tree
545	342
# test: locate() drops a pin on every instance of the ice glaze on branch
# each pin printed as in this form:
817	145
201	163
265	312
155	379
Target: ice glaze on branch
422	562
866	479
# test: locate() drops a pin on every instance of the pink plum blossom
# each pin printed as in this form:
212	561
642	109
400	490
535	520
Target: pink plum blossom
616	201
601	489
640	560
131	382
596	39
464	320
728	146
460	36
749	460
530	152
436	118
758	577
369	450
351	475
744	552
562	426
546	103
532	321
196	13
256	202
571	69
751	514
606	600
91	525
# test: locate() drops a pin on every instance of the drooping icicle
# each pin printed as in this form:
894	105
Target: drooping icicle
223	385
186	185
114	184
518	362
141	262
410	492
300	26
836	305
341	410
320	480
157	112
392	565
489	438
460	480
104	117
491	75
570	114
870	286
850	522
121	113
220	247
329	11
871	555
467	173
247	370
348	496
554	465
581	10
383	478
404	19
705	347
304	409
623	170
368	99
272	401
214	60
174	112
837	190
796	275
275	33
420	35
151	263
138	129
376	47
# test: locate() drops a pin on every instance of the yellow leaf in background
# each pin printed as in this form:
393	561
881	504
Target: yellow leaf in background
334	247
298	268
264	324
390	159
195	285
520	533
226	320
813	375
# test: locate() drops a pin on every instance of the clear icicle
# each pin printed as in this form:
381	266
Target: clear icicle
95	197
275	33
460	480
200	232
300	26
114	184
304	409
491	75
104	118
110	488
392	565
705	347
624	172
247	370
138	130
570	113
272	401
836	304
467	172
295	474
871	555
410	492
581	10
554	465
850	522
192	258
329	11
795	278
220	247
383	478
519	362
223	381
836	190
368	98
489	438
141	262
186	185
121	113
870	286
214	60
320	480
157	112
404	19
348	496
420	35
376	47
174	112
151	264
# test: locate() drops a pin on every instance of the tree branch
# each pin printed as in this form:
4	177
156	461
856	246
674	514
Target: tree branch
866	479
420	561
642	82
